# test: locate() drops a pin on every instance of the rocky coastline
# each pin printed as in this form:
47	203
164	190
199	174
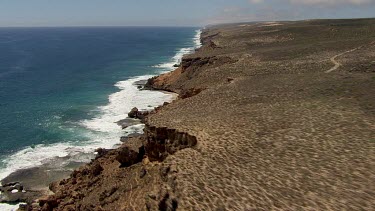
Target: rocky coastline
139	156
258	124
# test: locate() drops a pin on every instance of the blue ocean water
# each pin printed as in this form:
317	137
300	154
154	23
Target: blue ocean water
63	89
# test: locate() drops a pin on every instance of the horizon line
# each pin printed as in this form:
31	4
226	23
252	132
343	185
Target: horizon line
102	26
177	26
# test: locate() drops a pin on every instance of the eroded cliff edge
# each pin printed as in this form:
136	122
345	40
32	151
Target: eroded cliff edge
132	177
259	125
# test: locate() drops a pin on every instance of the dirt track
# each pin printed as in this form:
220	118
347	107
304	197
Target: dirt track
338	64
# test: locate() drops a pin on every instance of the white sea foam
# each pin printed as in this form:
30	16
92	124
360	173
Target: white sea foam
197	39
104	131
168	66
8	207
122	102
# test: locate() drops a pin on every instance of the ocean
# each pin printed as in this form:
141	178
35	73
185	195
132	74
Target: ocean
62	90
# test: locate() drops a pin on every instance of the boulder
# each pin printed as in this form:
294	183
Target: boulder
24	207
133	113
46	207
127	157
19	187
53	186
17	197
96	169
49	202
101	152
8	187
142	114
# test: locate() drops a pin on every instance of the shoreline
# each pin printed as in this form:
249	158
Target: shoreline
130	141
67	150
36	180
34	174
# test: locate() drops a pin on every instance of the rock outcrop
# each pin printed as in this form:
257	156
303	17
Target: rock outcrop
15	192
161	142
137	114
136	153
127	157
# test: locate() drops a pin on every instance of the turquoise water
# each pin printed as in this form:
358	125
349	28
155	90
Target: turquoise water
62	89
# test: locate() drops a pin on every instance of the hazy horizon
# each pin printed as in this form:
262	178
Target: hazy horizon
170	26
116	13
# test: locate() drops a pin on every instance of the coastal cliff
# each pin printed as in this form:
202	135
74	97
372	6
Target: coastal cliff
259	124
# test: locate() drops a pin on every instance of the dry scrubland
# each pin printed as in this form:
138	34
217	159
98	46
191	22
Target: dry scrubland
260	124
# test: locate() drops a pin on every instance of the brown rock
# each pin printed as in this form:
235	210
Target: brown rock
133	113
101	152
96	169
69	208
127	157
24	207
145	161
143	173
142	114
53	186
46	207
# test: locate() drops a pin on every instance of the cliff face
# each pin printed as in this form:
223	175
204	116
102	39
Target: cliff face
259	125
191	66
134	172
161	142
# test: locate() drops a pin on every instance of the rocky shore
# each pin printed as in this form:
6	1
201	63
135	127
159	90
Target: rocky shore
259	124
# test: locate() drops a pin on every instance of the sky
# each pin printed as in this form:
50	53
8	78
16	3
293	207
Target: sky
173	12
